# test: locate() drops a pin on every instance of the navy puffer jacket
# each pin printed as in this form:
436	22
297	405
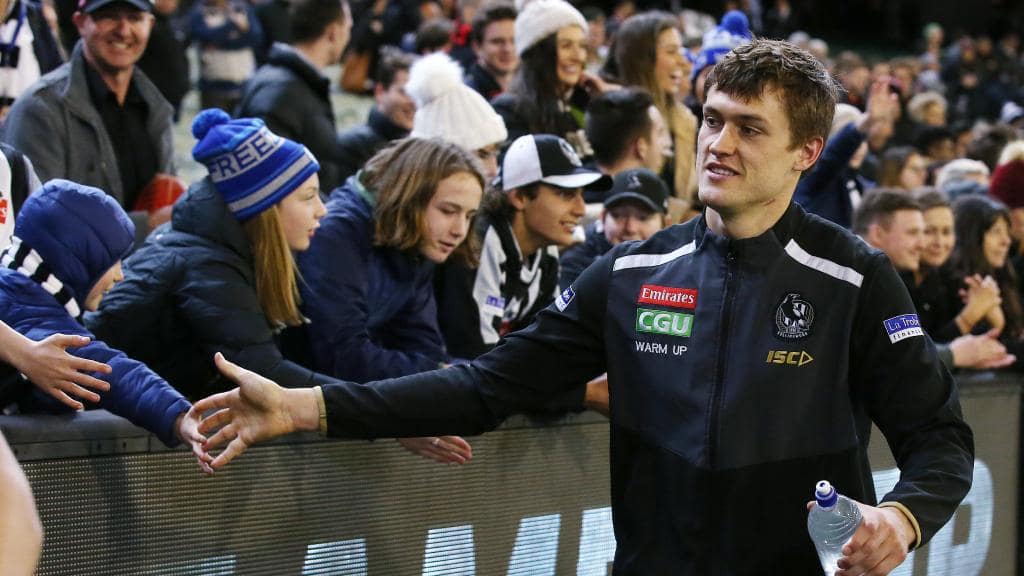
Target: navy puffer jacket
189	292
372	308
78	233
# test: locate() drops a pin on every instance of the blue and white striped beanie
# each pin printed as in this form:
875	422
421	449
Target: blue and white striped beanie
251	167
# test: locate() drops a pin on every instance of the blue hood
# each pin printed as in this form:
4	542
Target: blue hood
78	231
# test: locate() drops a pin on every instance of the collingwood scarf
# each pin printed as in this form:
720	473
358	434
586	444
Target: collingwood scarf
26	261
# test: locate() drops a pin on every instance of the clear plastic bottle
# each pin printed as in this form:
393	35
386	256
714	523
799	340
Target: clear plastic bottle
831	523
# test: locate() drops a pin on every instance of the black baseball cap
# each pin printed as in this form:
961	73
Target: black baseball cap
639	185
90	6
549	159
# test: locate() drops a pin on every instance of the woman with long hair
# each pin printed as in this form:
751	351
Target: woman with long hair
980	259
648	53
550	91
904	168
944	311
221	277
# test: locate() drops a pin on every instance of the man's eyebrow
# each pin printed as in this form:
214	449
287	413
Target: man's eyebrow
746	118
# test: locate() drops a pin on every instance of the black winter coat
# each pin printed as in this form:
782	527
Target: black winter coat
189	292
293	99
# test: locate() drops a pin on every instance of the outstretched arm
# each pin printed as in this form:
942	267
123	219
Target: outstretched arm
256	411
47	364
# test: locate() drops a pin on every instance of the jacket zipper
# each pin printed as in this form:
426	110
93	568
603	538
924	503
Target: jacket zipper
718	386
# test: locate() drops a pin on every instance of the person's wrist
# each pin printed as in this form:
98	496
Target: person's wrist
904	527
177	426
302	409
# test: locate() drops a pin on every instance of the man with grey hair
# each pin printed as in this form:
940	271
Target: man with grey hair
962	176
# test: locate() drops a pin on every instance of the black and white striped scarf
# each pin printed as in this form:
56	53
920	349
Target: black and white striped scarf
23	259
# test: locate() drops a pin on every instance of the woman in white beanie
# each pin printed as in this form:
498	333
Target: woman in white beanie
448	109
549	93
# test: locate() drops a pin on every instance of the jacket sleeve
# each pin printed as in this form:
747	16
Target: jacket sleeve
524	373
836	155
335	269
224	314
136	392
469	324
33	126
901	383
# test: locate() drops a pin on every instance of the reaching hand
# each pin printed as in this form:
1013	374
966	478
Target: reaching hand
48	365
257	410
595	85
882	106
444	449
187	428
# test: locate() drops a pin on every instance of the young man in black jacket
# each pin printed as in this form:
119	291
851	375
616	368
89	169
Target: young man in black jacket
748	353
290	92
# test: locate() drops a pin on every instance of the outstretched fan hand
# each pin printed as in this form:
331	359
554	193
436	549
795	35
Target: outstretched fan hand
254	412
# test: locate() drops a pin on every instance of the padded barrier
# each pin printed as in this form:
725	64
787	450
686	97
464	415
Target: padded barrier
534	501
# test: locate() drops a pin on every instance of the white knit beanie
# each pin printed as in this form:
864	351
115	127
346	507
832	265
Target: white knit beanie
448	109
539	19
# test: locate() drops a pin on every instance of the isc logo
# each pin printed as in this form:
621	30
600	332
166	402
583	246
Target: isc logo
662	322
787	357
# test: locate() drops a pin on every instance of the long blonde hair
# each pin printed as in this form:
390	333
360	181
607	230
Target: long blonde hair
277	284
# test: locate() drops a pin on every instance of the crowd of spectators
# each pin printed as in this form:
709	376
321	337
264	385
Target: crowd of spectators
508	147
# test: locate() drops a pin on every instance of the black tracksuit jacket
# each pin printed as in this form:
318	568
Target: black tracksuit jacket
740	372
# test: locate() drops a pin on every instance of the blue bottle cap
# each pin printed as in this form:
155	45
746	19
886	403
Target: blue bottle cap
825	494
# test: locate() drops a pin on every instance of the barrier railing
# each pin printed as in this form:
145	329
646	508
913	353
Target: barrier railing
534	500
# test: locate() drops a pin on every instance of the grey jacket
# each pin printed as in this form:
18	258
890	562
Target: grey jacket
55	124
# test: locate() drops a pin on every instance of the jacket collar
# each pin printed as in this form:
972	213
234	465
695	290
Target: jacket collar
383	126
23	259
288	57
773	239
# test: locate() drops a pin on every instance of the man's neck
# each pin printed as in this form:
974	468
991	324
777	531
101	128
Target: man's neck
620	166
502	78
528	244
118	81
748	222
316	53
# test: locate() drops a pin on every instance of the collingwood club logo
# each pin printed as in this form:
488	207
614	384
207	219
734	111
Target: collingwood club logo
569	153
793	317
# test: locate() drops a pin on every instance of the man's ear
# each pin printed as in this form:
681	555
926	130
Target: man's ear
78	18
517	200
874	235
640	146
809	153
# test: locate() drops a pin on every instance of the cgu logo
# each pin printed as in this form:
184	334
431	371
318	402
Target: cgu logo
787	357
662	322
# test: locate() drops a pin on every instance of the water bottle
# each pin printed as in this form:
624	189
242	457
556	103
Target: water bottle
831	523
